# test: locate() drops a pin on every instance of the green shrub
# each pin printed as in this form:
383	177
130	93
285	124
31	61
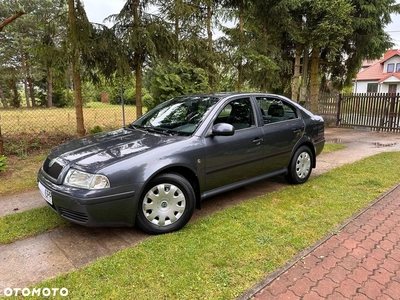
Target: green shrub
3	163
96	129
169	80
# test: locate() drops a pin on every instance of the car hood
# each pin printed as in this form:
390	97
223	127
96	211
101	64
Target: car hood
96	151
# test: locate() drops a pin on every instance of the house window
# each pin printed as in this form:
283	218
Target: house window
398	67
372	88
390	68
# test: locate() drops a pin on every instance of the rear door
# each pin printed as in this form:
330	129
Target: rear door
229	159
282	128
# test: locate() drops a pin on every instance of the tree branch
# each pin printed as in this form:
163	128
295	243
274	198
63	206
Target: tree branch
11	19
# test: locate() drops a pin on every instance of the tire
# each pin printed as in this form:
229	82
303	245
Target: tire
300	166
166	205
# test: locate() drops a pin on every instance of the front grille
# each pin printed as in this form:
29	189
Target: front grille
73	215
54	170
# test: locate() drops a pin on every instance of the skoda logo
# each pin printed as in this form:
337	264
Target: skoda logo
51	163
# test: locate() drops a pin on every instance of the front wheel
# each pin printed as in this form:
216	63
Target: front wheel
300	166
166	205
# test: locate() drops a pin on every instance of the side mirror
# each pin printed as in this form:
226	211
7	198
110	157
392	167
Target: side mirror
223	129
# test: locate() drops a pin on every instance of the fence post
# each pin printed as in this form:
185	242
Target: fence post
339	105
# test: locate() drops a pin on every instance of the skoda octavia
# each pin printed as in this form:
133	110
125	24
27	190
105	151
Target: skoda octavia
156	171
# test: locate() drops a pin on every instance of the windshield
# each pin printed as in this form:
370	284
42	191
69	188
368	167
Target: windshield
181	115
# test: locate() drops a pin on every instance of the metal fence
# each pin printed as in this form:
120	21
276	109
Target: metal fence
24	130
40	120
380	111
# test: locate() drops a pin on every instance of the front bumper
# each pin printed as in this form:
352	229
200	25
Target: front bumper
94	208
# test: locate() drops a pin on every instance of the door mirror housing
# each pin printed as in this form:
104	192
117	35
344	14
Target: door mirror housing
223	129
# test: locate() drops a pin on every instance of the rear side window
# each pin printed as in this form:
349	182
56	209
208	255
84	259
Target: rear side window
275	110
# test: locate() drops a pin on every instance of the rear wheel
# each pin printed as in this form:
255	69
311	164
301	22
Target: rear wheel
167	204
300	166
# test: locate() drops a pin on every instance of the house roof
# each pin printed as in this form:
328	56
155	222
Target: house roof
388	75
375	71
367	63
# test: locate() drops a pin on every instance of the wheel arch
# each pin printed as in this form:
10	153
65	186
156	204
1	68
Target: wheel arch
310	145
185	172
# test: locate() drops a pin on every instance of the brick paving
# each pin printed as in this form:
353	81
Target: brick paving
361	261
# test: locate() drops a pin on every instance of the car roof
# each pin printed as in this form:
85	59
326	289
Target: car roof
225	94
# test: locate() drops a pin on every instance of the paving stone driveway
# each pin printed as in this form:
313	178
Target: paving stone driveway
362	261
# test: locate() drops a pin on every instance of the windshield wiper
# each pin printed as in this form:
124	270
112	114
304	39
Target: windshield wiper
162	130
154	129
131	126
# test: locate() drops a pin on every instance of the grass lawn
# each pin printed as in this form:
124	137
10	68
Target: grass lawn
29	223
20	174
331	148
221	256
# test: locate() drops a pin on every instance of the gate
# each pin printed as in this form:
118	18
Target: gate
379	112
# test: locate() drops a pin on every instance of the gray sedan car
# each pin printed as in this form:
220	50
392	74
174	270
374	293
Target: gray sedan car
156	171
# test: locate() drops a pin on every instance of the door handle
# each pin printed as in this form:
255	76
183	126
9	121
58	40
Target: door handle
258	141
296	131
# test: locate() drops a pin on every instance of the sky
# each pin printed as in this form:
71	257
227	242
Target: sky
98	10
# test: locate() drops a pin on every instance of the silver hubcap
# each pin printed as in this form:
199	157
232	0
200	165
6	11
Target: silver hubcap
164	204
303	165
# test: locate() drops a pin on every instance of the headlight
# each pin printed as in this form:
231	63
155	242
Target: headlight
86	181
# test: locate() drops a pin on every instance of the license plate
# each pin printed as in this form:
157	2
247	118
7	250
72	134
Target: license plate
46	194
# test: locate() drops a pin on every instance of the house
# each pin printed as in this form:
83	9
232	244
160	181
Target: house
379	76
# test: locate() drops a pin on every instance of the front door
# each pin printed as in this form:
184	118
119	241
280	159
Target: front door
392	88
230	159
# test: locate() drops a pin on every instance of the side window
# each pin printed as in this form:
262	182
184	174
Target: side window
238	113
274	110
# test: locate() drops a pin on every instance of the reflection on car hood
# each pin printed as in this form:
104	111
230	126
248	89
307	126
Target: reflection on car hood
94	151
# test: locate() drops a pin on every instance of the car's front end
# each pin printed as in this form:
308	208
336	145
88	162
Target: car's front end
87	206
96	180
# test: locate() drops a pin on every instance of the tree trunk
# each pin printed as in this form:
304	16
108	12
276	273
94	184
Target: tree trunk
15	102
3	98
296	73
264	85
31	91
304	76
80	128
137	61
30	85
26	92
25	80
177	35
210	46
138	86
49	88
314	80
241	47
